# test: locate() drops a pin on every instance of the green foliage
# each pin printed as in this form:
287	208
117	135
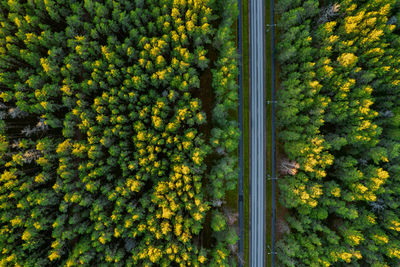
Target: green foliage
105	144
337	107
218	222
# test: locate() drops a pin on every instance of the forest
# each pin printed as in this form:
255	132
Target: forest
339	118
109	155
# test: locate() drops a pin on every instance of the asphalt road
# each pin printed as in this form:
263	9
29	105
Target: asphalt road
257	133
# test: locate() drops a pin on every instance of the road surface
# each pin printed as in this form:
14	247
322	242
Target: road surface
257	133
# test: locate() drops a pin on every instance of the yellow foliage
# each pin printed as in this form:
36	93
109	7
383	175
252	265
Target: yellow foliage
55	244
202	259
200	117
336	192
394	252
173	206
167	214
185	169
175	36
28	19
369	196
356	239
203	208
221	254
205	26
333	38
26	235
382	174
181	30
17	22
316	190
141	136
312	202
134	185
361	188
345	256
105	52
185	237
347	59
196	158
381	238
373	36
197	216
54	255
357	254
384	10
315	84
304	196
165	227
185	256
186	144
328	70
194	104
329	26
182	114
64	146
351	22
190	135
80	38
371	219
141	227
37	225
175	13
161	188
16	221
157	121
370	22
346	86
364	107
395	226
66	89
154	254
178	229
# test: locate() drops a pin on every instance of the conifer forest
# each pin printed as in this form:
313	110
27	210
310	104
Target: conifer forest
127	133
109	154
339	119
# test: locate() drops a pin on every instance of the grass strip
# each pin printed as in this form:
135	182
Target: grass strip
268	93
246	126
